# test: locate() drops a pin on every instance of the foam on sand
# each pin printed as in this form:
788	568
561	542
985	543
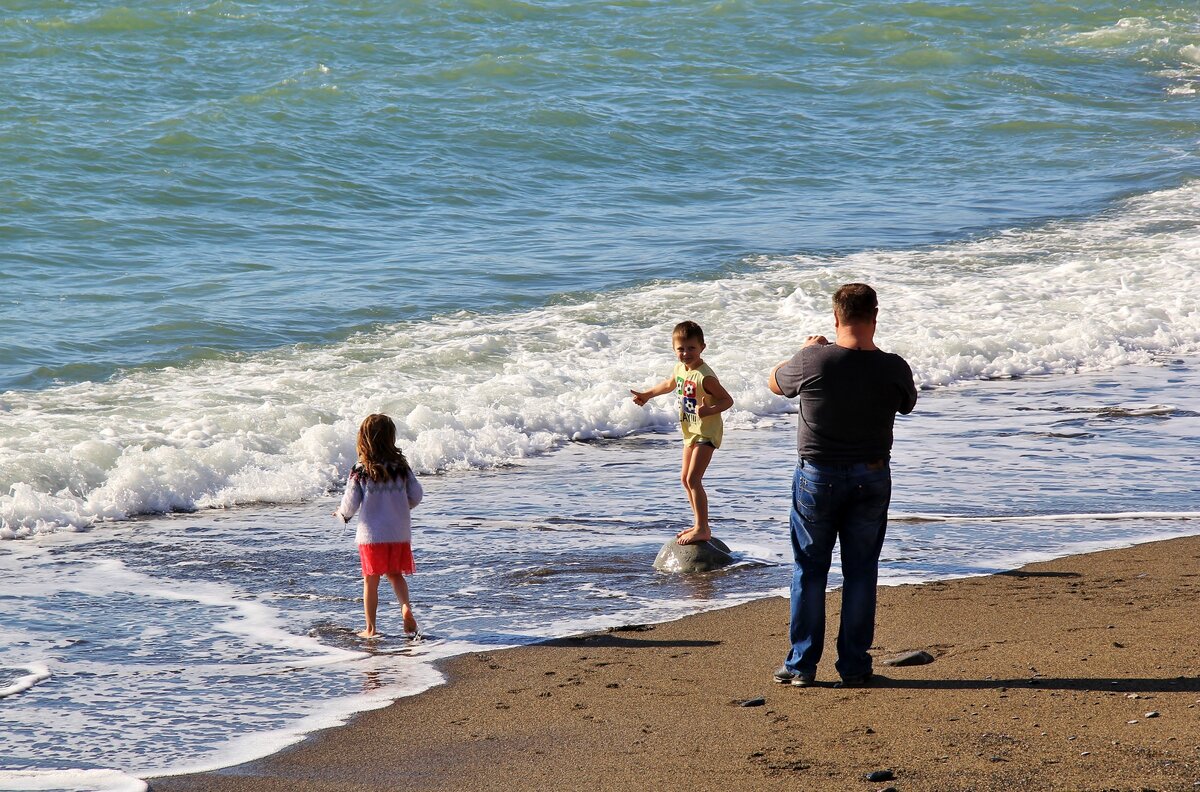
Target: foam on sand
69	781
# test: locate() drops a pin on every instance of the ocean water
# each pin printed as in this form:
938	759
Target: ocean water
228	231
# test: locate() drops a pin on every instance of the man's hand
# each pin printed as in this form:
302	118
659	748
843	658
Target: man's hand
816	340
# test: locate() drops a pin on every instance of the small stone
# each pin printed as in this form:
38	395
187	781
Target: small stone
881	775
1132	695
1085	753
754	702
918	657
1152	714
1132	721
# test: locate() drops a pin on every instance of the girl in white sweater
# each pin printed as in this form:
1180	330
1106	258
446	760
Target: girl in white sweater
383	490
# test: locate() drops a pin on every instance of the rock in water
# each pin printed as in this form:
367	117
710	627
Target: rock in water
700	557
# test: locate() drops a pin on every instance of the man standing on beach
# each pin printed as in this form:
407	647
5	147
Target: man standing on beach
850	392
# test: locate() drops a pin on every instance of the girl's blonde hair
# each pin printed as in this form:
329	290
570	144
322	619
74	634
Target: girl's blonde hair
381	460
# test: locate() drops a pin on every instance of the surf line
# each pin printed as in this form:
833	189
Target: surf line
1112	516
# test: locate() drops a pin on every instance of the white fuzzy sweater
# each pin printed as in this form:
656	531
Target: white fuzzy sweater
385	506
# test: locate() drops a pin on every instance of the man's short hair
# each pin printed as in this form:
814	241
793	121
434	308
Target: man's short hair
689	331
855	302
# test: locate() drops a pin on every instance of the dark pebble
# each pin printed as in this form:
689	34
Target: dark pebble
881	775
754	702
910	659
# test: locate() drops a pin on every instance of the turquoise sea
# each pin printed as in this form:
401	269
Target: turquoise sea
185	182
229	230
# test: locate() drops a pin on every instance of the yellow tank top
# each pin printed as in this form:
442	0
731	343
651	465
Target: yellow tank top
689	387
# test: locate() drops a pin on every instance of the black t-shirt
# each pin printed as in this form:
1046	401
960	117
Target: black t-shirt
848	401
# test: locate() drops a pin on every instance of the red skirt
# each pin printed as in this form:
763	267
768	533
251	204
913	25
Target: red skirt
386	558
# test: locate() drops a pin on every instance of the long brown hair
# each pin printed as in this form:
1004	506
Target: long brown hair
381	460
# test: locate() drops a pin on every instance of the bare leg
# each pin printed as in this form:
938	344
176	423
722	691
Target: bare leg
695	463
370	604
683	479
400	586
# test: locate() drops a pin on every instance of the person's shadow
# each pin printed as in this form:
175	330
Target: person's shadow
614	640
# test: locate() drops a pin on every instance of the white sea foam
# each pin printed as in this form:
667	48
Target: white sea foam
142	641
232	614
1124	31
328	714
22	682
1016	560
69	781
480	391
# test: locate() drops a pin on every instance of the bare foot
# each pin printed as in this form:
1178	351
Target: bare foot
694	536
410	622
368	634
685	531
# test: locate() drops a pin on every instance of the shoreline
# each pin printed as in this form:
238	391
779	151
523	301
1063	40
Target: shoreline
1044	678
1003	515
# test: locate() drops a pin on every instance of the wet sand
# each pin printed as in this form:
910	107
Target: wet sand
1081	673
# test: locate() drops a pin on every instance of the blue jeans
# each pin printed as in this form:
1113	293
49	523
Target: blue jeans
846	503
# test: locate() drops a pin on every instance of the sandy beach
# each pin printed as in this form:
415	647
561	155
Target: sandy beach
1074	674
